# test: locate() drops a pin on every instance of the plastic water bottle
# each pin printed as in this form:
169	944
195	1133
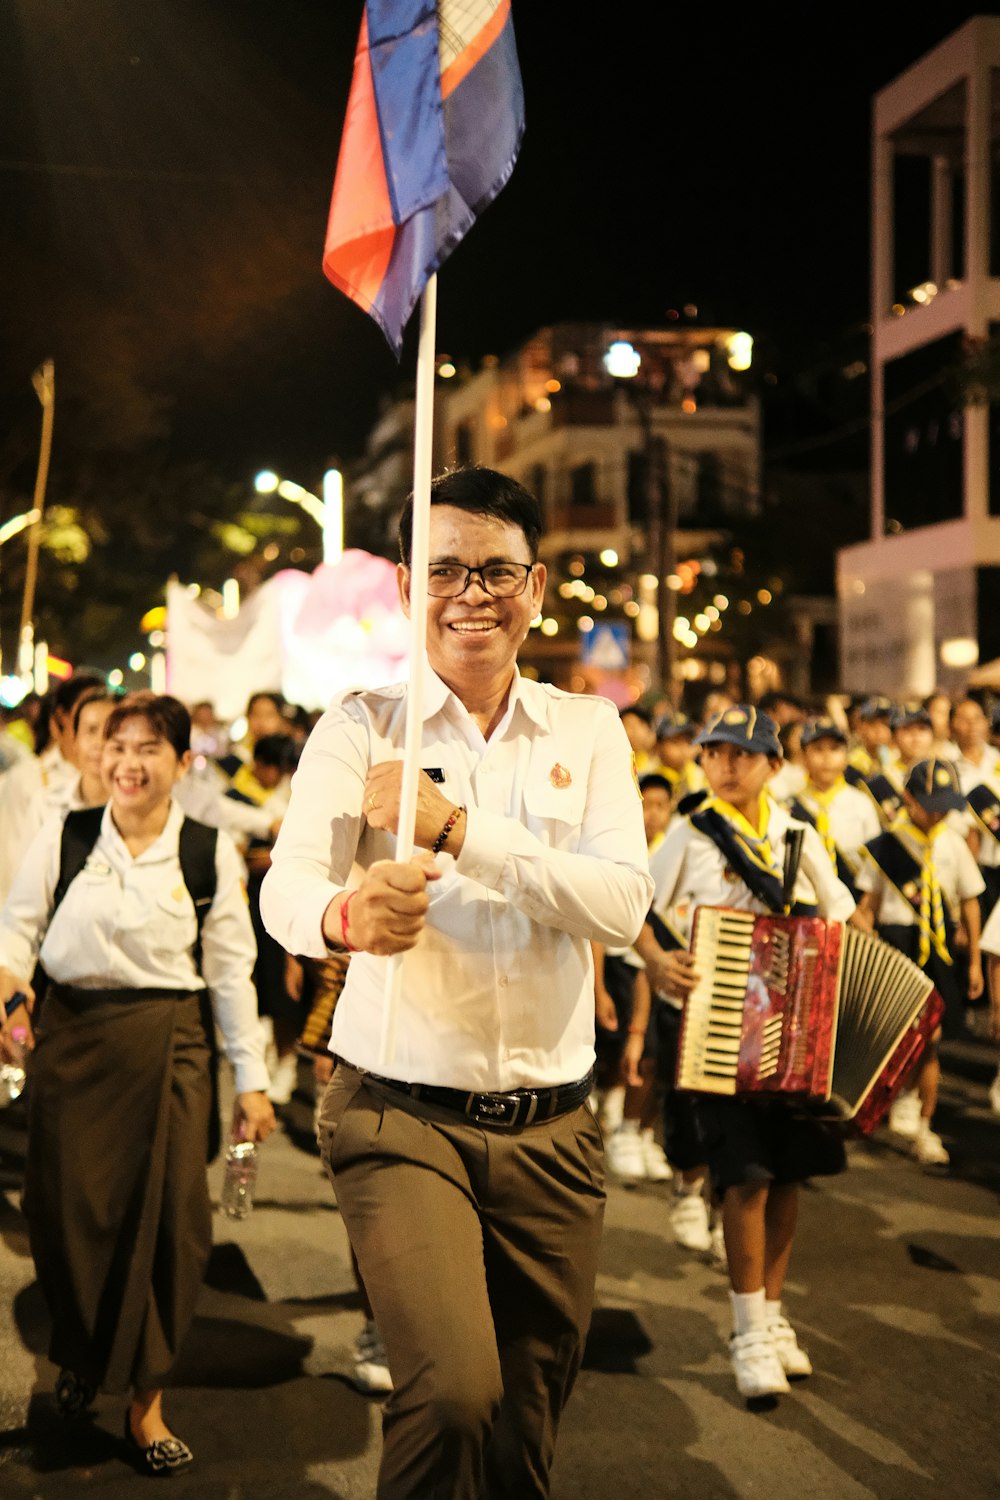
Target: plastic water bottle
240	1179
13	1073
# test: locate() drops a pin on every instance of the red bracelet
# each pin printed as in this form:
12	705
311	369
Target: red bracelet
343	922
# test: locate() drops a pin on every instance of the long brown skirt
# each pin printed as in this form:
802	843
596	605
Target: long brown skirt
116	1193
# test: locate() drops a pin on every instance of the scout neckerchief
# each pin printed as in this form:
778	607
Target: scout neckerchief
245	787
916	879
888	799
745	850
813	807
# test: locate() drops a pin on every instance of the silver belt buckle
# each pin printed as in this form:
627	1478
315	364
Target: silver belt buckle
494	1109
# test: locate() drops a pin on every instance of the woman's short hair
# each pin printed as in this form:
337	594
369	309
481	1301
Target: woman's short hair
166	715
481	492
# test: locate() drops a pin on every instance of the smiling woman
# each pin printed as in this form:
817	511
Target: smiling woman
136	915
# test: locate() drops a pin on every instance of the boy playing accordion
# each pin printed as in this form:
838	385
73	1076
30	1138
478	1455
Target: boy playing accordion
729	851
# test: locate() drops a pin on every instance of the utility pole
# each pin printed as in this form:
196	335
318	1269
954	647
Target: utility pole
44	381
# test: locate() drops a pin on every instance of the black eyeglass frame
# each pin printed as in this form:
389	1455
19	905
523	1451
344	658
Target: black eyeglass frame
529	568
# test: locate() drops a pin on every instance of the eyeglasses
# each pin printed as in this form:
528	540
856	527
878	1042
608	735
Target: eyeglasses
504	580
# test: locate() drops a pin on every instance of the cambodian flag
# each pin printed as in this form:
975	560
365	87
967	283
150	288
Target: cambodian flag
434	124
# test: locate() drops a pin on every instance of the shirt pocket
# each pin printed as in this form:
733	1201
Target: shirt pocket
172	926
555	813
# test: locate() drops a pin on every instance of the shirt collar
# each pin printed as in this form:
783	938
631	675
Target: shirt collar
165	844
523	693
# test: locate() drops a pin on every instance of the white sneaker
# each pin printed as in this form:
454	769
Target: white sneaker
371	1369
995	1094
794	1359
904	1115
756	1365
929	1149
656	1164
612	1109
689	1222
625	1155
284	1078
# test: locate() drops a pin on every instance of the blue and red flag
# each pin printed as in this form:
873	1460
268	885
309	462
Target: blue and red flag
434	123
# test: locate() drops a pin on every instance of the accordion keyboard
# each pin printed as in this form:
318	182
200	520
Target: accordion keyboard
713	1016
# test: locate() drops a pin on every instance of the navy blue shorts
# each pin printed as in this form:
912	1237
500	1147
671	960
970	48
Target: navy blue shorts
748	1144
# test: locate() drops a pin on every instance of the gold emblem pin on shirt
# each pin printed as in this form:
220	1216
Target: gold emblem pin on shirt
559	776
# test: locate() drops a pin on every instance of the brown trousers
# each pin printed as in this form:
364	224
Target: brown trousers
478	1249
116	1194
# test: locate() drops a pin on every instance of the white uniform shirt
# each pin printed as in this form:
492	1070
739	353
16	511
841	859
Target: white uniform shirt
957	872
129	923
20	790
499	991
853	820
969	776
689	871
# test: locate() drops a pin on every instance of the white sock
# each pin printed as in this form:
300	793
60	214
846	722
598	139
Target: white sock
772	1311
691	1189
647	1133
749	1311
629	1127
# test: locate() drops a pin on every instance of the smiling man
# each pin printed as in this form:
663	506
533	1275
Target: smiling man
468	1170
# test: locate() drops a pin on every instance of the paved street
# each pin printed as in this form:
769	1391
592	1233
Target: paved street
895	1289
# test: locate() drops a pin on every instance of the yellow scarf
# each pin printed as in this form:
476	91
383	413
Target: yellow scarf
246	783
933	934
756	845
818	804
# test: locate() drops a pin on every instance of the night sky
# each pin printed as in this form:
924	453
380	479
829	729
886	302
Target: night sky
165	169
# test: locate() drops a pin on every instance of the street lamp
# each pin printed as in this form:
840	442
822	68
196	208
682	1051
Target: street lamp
328	512
623	362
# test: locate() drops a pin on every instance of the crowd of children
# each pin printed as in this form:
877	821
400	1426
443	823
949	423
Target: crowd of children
898	806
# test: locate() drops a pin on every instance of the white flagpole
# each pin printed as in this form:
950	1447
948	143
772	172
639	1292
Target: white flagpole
422	469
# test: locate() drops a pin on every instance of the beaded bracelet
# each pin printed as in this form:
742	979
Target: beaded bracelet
442	837
343	922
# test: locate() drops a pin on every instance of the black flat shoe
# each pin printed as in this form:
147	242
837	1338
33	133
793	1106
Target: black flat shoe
73	1395
163	1457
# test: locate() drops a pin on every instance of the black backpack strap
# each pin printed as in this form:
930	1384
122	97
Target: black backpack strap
196	847
80	833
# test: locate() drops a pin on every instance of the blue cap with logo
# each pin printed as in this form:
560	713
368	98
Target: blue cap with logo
674	726
934	784
745	727
875	708
822	729
905	714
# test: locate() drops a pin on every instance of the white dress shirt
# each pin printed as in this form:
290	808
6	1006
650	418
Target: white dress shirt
22	792
128	922
689	871
499	991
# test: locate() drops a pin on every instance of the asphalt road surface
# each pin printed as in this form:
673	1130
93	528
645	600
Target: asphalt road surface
894	1288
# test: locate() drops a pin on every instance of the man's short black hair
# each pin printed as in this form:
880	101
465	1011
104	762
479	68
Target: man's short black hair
276	750
654	779
481	492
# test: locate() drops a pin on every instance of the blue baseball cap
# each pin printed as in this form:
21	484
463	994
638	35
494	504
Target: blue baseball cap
745	727
671	726
822	729
875	708
934	784
905	714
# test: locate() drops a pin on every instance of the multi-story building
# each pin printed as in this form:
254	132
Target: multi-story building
669	448
918	601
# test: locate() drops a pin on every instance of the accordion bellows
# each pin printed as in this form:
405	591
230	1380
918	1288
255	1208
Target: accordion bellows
807	1009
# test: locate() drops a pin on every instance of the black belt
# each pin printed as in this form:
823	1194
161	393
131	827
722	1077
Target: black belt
497	1111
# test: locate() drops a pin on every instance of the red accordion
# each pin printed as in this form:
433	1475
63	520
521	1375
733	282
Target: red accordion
815	1011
